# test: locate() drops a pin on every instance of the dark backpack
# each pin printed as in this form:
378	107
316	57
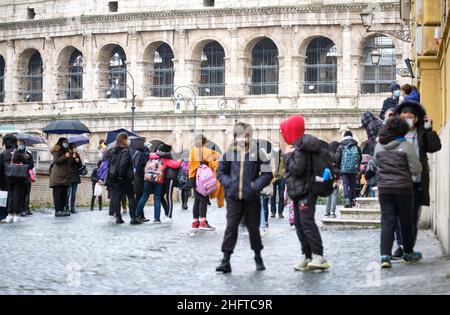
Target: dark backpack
114	168
319	163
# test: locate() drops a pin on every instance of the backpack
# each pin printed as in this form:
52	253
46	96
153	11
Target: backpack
206	180
154	171
83	170
102	172
350	159
322	173
114	169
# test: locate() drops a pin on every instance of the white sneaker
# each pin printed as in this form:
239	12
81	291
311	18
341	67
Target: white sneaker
17	219
318	262
112	219
9	219
302	265
167	220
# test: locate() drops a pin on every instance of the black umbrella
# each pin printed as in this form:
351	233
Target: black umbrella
112	135
78	140
29	139
66	127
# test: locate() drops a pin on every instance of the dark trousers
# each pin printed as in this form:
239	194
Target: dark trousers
71	196
167	197
278	186
393	207
417	209
307	230
185	194
60	197
236	209
200	206
120	190
16	195
349	182
93	199
265	207
26	200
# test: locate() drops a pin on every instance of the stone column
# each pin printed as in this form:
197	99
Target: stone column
346	73
298	74
49	80
11	76
89	92
182	77
234	76
132	67
286	85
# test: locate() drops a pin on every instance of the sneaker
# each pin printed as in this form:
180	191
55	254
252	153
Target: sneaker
302	265
281	216
272	215
135	221
204	225
412	257
17	219
168	220
195	225
144	220
73	211
59	214
347	203
111	218
9	219
23	214
333	216
398	254
66	213
318	262
28	212
157	221
386	262
327	214
119	220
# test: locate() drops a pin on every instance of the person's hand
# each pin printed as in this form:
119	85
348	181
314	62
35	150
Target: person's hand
289	149
67	155
77	160
428	122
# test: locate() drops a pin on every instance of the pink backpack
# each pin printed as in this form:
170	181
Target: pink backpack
206	180
32	174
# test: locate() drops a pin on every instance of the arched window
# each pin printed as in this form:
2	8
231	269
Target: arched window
75	76
264	68
321	66
117	84
212	70
2	79
34	78
163	72
378	78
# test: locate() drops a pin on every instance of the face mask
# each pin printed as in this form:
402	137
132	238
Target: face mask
129	142
410	122
21	147
65	145
401	99
241	142
397	94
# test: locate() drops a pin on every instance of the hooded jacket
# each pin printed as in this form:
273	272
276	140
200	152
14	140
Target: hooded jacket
396	162
429	142
298	166
120	158
338	156
61	171
387	104
292	128
372	126
244	177
413	96
167	161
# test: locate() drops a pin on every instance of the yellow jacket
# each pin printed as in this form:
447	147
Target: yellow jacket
212	157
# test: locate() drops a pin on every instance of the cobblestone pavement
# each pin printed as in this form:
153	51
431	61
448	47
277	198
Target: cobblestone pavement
84	254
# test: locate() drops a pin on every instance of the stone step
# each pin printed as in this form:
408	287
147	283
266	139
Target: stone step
367	203
342	223
359	213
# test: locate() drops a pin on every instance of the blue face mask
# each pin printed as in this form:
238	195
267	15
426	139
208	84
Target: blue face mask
397	94
65	145
21	147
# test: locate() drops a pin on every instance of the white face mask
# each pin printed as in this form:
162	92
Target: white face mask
129	142
401	99
410	122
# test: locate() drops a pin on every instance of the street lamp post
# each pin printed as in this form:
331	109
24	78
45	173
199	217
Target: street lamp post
367	17
133	97
223	105
178	97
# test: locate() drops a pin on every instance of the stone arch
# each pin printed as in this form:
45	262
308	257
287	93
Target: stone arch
63	68
198	46
158	78
26	84
247	51
304	43
112	82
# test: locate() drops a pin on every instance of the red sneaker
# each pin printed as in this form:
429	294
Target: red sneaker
195	225
204	225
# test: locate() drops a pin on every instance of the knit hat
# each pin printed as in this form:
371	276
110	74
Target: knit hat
394	87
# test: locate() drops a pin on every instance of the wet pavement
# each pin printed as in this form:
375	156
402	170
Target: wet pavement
84	254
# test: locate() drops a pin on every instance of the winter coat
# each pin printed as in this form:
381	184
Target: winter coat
244	178
278	165
20	157
338	156
140	159
413	96
372	126
429	142
61	172
197	157
298	166
120	158
387	104
396	162
75	178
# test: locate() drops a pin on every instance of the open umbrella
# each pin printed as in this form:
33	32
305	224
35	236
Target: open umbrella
29	139
112	135
4	129
136	143
66	127
78	140
154	145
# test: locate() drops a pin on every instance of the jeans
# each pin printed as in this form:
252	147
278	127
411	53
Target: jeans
264	212
71	196
332	201
278	186
349	182
156	190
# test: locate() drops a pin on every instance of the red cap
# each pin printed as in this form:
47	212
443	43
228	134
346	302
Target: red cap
293	128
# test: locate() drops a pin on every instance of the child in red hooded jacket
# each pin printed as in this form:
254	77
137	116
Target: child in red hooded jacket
298	170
